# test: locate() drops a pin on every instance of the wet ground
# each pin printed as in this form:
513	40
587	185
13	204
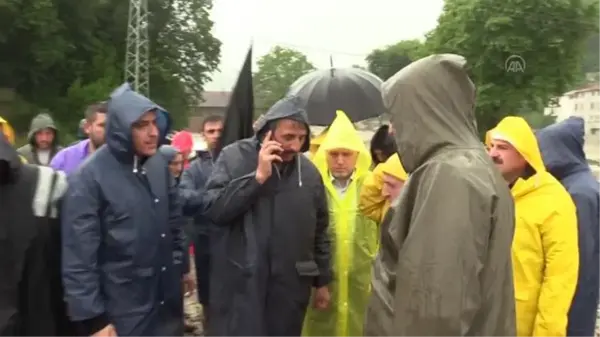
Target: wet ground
193	310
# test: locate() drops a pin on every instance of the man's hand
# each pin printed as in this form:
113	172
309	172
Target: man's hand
189	284
269	152
107	331
322	298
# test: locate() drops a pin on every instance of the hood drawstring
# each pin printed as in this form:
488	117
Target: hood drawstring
135	164
299	162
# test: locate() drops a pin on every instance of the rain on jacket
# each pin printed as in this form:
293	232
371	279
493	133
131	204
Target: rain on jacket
354	238
544	252
444	266
562	150
372	203
28	151
270	241
123	244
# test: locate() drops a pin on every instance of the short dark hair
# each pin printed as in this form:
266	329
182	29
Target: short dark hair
93	109
211	119
384	142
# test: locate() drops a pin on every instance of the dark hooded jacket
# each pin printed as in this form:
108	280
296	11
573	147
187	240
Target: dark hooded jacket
193	181
123	244
444	264
29	150
30	285
271	243
561	145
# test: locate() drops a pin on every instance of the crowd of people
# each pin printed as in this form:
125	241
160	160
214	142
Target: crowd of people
431	231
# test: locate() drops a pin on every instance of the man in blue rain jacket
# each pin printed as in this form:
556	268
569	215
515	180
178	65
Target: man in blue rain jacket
123	245
562	150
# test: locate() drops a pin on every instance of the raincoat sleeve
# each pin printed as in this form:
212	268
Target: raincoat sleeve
322	239
81	233
561	255
437	277
190	193
371	203
176	223
228	197
58	161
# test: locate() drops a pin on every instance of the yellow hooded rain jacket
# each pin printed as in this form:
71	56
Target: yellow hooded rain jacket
545	253
354	238
372	204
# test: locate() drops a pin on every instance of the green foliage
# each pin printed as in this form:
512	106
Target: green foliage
549	35
538	120
277	70
387	61
67	54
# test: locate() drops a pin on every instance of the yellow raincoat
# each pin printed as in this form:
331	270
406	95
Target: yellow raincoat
545	253
315	143
9	132
354	238
372	204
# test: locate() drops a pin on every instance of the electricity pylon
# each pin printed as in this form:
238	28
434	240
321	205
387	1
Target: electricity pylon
137	58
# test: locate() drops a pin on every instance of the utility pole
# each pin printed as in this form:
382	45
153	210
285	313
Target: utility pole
137	58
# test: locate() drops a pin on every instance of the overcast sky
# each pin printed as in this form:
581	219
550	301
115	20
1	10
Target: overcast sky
346	29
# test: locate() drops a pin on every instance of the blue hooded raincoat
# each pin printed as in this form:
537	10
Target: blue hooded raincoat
561	145
123	242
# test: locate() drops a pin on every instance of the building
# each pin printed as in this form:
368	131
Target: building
583	102
212	103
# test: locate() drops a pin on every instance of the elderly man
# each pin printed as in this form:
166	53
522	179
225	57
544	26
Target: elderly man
343	161
444	266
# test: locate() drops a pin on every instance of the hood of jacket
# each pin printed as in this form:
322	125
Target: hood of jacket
125	107
289	107
168	151
10	156
343	135
7	130
432	103
517	132
561	145
39	122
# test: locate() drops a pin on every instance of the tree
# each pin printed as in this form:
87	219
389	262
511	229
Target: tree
277	70
387	61
520	54
65	55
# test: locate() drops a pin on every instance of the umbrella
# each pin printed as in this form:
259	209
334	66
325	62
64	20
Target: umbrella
352	90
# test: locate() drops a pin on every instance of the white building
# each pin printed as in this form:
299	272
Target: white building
583	102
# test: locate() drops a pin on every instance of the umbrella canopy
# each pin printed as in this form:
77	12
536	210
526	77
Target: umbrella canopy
352	90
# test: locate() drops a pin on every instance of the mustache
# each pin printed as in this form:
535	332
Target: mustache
497	160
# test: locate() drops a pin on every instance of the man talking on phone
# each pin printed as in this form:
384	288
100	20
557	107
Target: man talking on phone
271	244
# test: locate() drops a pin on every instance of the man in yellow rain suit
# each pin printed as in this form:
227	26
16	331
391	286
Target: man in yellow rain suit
380	188
545	253
343	161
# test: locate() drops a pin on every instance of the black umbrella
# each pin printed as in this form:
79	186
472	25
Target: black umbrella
355	91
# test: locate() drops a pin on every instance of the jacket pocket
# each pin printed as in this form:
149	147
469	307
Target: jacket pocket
307	268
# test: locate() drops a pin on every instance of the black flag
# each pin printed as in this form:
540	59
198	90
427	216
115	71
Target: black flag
240	112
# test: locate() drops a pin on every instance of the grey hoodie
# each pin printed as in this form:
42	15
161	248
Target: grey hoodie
29	151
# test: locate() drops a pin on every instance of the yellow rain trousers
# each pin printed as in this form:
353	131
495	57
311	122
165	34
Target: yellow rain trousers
372	204
545	254
354	242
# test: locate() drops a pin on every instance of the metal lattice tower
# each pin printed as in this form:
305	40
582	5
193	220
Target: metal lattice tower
137	58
